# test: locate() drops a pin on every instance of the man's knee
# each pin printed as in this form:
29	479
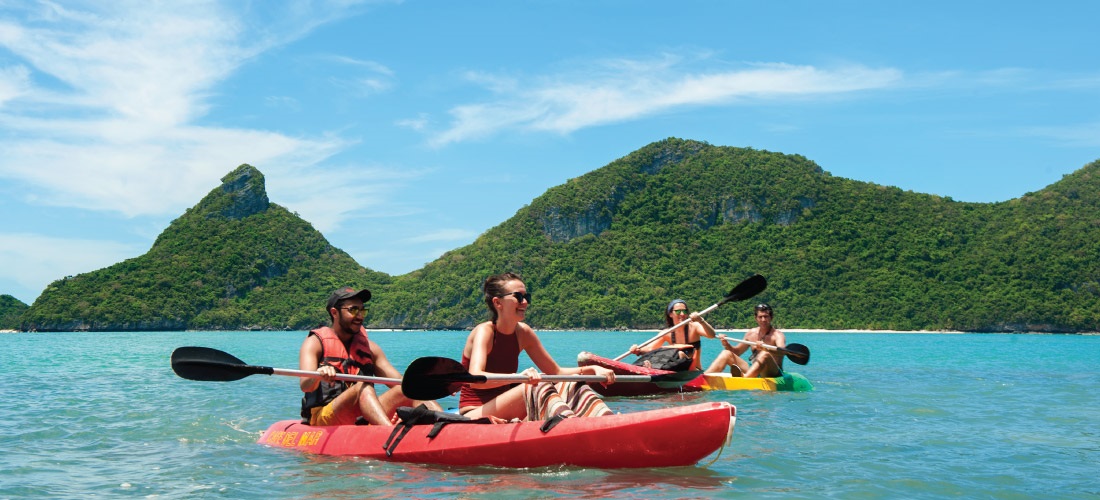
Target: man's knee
363	391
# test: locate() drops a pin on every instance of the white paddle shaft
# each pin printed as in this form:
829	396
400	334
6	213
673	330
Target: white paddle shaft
339	376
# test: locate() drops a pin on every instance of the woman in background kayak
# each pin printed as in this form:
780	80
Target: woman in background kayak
493	347
685	339
765	363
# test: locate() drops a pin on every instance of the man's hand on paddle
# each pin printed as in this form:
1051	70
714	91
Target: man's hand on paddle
327	372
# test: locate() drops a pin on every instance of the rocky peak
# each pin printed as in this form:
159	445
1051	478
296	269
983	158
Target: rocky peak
241	194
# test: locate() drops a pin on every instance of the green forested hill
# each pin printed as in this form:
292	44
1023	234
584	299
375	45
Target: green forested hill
11	309
687	219
233	261
609	249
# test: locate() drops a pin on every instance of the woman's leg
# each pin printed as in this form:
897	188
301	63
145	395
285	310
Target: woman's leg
508	405
543	401
583	400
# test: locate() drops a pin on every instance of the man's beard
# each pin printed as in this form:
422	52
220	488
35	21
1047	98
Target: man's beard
349	325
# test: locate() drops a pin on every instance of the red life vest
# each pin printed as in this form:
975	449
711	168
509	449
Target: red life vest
355	358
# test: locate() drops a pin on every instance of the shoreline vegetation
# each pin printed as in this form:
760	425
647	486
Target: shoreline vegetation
608	249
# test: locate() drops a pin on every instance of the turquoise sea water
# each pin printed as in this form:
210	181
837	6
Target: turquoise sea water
892	415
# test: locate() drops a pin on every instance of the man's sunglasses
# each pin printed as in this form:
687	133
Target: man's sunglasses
355	310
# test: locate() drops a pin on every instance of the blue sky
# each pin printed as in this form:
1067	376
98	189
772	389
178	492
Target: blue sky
405	129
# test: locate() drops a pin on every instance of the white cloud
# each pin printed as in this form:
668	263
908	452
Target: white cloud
372	66
366	78
419	123
286	102
1086	135
43	259
361	87
409	253
444	235
102	115
144	62
340	193
157	176
14	82
626	90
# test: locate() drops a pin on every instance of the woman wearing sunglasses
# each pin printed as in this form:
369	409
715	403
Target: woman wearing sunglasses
493	347
685	339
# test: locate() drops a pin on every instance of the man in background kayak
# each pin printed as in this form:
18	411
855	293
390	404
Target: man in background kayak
764	363
344	348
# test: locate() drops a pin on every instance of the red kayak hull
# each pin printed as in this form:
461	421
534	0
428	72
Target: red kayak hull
641	439
634	389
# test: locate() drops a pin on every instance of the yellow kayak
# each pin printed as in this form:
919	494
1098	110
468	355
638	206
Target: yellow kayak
727	382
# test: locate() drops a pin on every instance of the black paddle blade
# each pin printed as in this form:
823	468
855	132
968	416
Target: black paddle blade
674	380
433	377
797	353
747	289
211	365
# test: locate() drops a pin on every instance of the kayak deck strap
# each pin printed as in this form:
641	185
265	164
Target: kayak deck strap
421	415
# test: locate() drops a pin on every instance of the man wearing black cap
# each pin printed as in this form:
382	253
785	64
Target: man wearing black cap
344	348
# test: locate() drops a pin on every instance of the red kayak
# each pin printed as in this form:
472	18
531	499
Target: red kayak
641	439
638	389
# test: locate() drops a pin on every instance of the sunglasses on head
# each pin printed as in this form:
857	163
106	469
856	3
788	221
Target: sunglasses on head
764	307
520	296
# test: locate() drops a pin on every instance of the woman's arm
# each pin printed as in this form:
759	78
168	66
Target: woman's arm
542	359
530	343
653	346
707	330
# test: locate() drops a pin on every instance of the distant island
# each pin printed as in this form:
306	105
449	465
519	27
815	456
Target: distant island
608	250
11	310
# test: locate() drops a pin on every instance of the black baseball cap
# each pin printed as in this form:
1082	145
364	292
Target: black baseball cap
346	292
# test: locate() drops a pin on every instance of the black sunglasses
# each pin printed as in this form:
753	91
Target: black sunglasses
520	296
